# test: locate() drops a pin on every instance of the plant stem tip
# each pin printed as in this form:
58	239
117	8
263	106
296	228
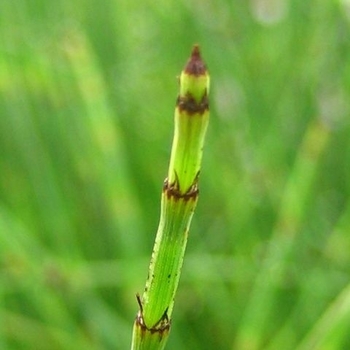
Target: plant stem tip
195	65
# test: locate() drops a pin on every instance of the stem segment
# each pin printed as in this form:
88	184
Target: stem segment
178	202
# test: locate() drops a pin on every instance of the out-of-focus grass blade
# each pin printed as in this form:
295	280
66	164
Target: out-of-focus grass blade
332	327
261	301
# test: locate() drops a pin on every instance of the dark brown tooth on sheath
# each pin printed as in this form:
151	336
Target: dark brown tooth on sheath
189	104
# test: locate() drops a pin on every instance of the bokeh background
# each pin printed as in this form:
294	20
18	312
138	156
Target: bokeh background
87	94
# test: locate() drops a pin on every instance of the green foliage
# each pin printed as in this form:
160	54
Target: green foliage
87	94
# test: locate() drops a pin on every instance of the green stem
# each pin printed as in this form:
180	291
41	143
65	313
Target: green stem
179	199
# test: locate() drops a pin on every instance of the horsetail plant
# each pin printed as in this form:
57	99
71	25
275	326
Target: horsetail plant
178	202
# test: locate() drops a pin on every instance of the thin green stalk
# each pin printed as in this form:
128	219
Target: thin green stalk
178	202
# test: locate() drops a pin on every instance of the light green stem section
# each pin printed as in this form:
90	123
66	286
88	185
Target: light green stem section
186	155
165	267
167	257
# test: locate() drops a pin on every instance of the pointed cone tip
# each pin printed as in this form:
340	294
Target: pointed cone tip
195	65
196	52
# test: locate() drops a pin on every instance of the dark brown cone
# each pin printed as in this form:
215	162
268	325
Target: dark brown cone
195	65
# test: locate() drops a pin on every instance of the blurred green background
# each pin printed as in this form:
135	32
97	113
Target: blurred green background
87	94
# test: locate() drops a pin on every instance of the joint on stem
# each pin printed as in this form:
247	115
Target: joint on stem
191	106
173	189
161	326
